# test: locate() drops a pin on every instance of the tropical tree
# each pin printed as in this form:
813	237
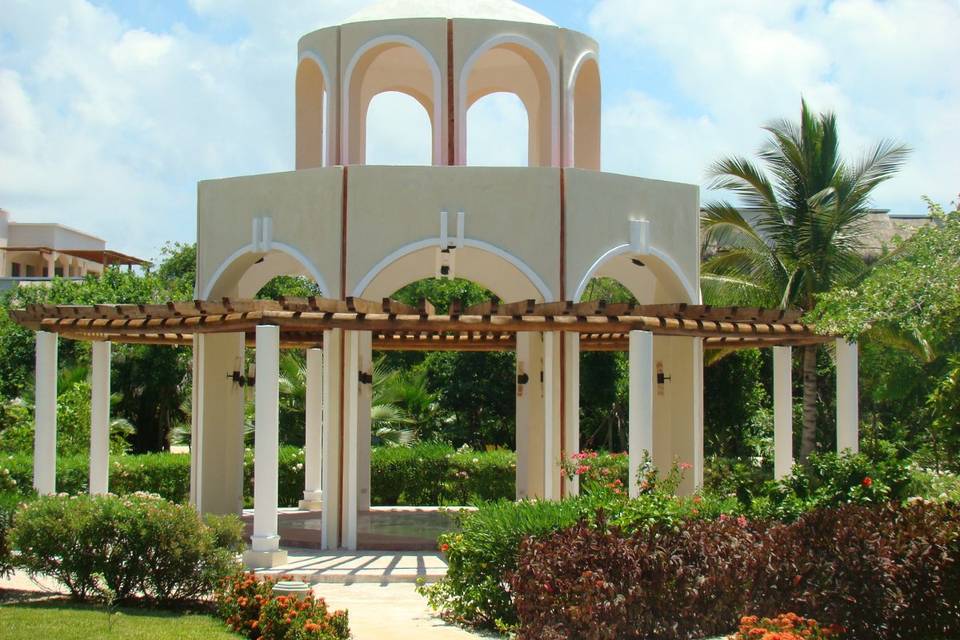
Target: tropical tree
799	229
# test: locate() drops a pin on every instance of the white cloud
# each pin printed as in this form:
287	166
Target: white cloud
886	68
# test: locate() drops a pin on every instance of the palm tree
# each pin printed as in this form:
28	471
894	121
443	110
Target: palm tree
803	235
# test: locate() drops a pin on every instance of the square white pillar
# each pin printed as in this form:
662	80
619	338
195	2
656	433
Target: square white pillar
848	397
331	521
782	412
571	399
45	415
265	543
364	419
698	463
640	438
529	415
100	418
351	443
313	434
552	471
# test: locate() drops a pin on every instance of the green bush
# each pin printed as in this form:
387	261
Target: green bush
8	504
120	547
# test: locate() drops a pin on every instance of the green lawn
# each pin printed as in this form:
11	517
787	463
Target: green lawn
66	621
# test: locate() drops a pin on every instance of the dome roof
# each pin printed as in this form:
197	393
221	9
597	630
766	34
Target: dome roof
506	10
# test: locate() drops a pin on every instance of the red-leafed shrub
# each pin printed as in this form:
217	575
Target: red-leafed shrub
879	572
594	582
786	626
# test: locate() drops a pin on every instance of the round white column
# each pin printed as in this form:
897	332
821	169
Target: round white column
100	418
313	445
265	542
641	403
782	412
848	397
45	415
571	399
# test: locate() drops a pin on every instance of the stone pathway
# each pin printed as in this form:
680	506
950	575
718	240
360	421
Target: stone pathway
383	567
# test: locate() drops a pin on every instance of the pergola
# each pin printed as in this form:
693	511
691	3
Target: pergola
309	323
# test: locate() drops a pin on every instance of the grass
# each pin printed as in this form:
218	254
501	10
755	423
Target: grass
68	621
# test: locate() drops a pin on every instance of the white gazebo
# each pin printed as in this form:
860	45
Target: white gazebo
532	235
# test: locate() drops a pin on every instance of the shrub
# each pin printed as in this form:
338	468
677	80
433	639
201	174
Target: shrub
124	546
247	604
8	504
597	583
482	553
787	626
879	572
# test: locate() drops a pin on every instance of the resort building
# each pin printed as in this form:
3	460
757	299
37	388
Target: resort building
535	236
36	252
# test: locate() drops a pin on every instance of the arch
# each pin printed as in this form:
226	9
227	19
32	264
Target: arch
510	150
367	64
313	114
478	261
539	95
406	131
277	261
664	269
584	99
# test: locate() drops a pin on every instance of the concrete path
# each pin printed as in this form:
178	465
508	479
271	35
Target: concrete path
381	567
390	612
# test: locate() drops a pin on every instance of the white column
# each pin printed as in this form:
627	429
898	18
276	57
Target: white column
571	399
641	403
364	419
351	400
848	397
100	418
782	411
332	405
45	416
313	431
529	415
265	542
551	415
698	463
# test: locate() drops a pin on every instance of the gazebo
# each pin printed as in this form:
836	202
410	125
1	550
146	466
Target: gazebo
534	236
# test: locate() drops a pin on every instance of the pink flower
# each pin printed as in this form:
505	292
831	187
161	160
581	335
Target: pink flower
685	466
582	469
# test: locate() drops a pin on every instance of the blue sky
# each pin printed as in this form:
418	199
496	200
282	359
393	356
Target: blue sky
111	111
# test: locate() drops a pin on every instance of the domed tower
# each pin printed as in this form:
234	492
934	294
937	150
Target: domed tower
530	234
447	55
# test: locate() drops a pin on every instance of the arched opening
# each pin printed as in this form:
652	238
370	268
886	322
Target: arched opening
585	115
398	131
506	114
511	65
247	272
651	279
311	107
389	64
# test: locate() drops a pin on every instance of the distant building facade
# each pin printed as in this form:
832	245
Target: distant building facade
36	252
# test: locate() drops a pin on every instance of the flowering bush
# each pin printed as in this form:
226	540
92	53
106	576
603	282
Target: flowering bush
787	626
121	547
598	472
248	606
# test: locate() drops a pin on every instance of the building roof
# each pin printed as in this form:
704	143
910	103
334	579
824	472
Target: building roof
506	10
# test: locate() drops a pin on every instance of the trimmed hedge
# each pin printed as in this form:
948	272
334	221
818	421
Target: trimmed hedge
425	474
123	547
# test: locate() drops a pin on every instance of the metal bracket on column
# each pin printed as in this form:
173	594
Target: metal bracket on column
523	378
365	378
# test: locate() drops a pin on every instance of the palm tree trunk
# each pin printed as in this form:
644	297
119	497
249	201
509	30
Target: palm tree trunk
808	442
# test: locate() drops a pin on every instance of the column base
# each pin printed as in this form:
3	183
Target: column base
264	559
312	501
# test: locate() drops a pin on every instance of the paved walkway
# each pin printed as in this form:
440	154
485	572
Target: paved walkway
383	567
